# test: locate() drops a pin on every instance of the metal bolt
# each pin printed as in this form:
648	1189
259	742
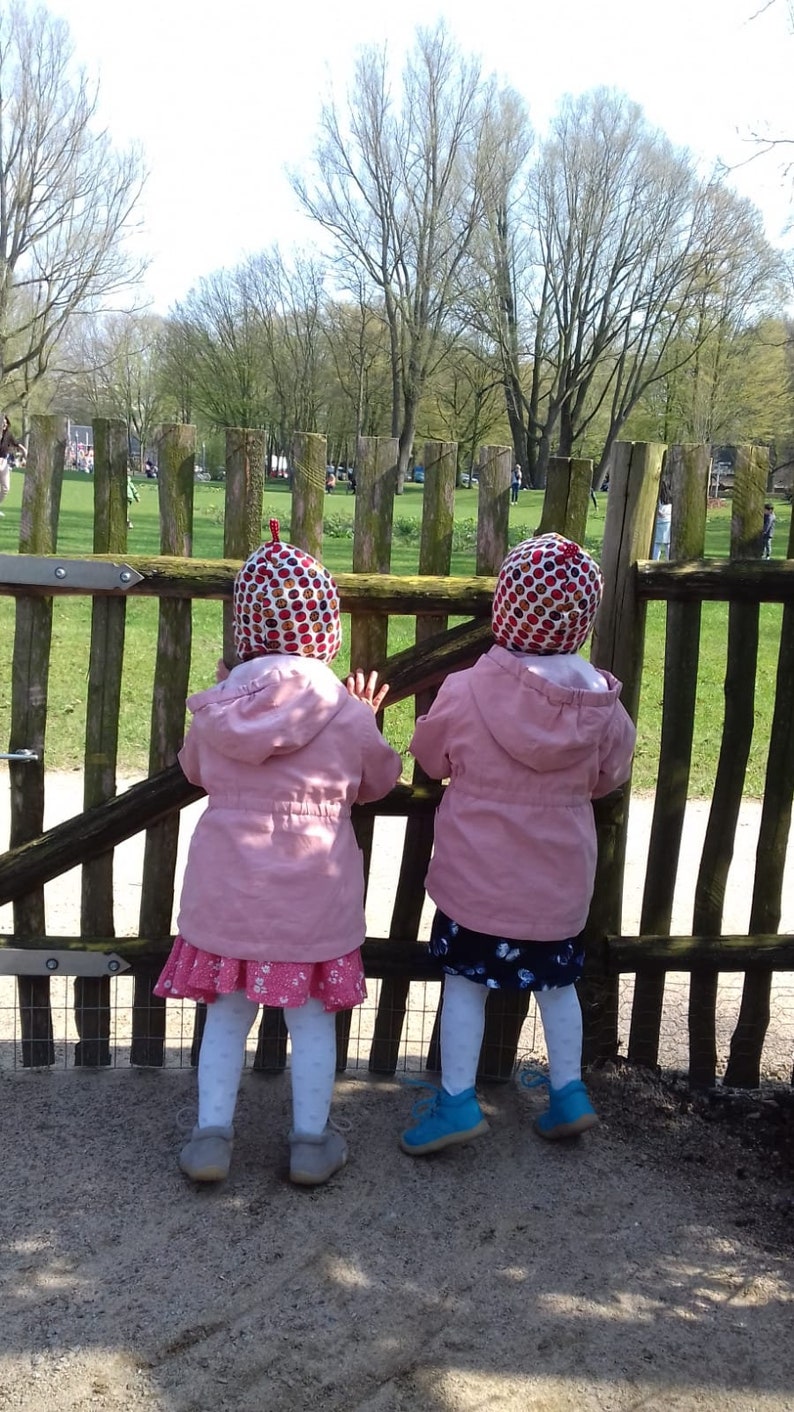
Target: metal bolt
60	572
113	966
52	963
125	576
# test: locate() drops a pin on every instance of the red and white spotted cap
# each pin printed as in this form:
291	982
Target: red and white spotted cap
285	601
547	596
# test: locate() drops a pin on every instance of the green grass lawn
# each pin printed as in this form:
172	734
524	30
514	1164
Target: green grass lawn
72	617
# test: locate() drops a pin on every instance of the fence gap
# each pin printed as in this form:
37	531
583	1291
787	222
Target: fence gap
38	534
176	478
751	472
106	660
687	470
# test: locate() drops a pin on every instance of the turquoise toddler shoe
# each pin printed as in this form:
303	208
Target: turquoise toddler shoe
569	1113
444	1121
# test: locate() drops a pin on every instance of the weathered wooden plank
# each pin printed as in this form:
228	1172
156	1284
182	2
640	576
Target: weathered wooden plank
751	473
703	580
242	518
213	579
172	669
757	954
718	581
41	495
92	995
493	506
404	955
687	472
308	492
435	557
747	1042
618	644
376	484
566	502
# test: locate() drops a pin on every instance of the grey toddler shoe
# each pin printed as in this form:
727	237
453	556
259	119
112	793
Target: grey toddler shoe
207	1156
314	1157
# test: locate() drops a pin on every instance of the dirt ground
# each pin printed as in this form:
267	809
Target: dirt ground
649	1266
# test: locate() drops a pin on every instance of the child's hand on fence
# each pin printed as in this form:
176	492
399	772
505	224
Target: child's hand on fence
364	689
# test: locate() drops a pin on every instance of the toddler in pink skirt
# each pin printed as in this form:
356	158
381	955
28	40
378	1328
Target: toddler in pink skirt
272	906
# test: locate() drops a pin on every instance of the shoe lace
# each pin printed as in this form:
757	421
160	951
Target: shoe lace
531	1076
426	1105
186	1118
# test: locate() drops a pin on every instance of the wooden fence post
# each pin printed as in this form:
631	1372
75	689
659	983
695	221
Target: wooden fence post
308	492
242	519
38	534
176	477
435	557
567	499
108	619
751	471
747	1042
687	471
618	645
493	506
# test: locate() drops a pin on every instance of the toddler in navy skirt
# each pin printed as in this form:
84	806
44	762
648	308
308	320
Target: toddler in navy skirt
527	738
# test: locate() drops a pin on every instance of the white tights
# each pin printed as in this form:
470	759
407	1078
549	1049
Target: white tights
463	1022
312	1033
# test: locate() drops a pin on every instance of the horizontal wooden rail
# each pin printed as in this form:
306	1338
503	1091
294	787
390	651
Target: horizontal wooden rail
626	954
166	577
717	580
618	955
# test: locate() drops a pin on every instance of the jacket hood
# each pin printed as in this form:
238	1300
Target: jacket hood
269	706
541	724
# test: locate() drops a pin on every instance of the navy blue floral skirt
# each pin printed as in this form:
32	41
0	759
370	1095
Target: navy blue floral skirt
503	964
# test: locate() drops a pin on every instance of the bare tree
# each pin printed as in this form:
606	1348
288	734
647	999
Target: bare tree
220	339
402	189
621	243
67	198
119	373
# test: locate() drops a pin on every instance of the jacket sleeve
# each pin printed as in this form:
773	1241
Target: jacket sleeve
430	740
381	765
188	758
617	752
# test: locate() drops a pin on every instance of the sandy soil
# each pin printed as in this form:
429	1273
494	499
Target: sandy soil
647	1267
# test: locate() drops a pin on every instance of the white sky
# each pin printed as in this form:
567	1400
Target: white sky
223	97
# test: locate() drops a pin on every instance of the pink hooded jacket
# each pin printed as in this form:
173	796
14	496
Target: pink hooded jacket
274	872
515	841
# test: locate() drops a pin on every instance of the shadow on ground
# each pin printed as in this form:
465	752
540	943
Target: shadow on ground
598	1277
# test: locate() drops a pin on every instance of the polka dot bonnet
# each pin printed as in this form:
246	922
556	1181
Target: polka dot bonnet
547	596
285	601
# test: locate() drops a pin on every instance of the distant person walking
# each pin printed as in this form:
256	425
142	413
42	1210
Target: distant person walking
515	484
664	519
770	520
8	444
132	498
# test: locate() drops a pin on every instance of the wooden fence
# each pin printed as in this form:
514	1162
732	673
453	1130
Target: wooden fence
371	595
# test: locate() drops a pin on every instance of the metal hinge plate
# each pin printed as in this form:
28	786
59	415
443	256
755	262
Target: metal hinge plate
18	961
41	571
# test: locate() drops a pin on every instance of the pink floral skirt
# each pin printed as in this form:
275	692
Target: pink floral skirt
191	974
